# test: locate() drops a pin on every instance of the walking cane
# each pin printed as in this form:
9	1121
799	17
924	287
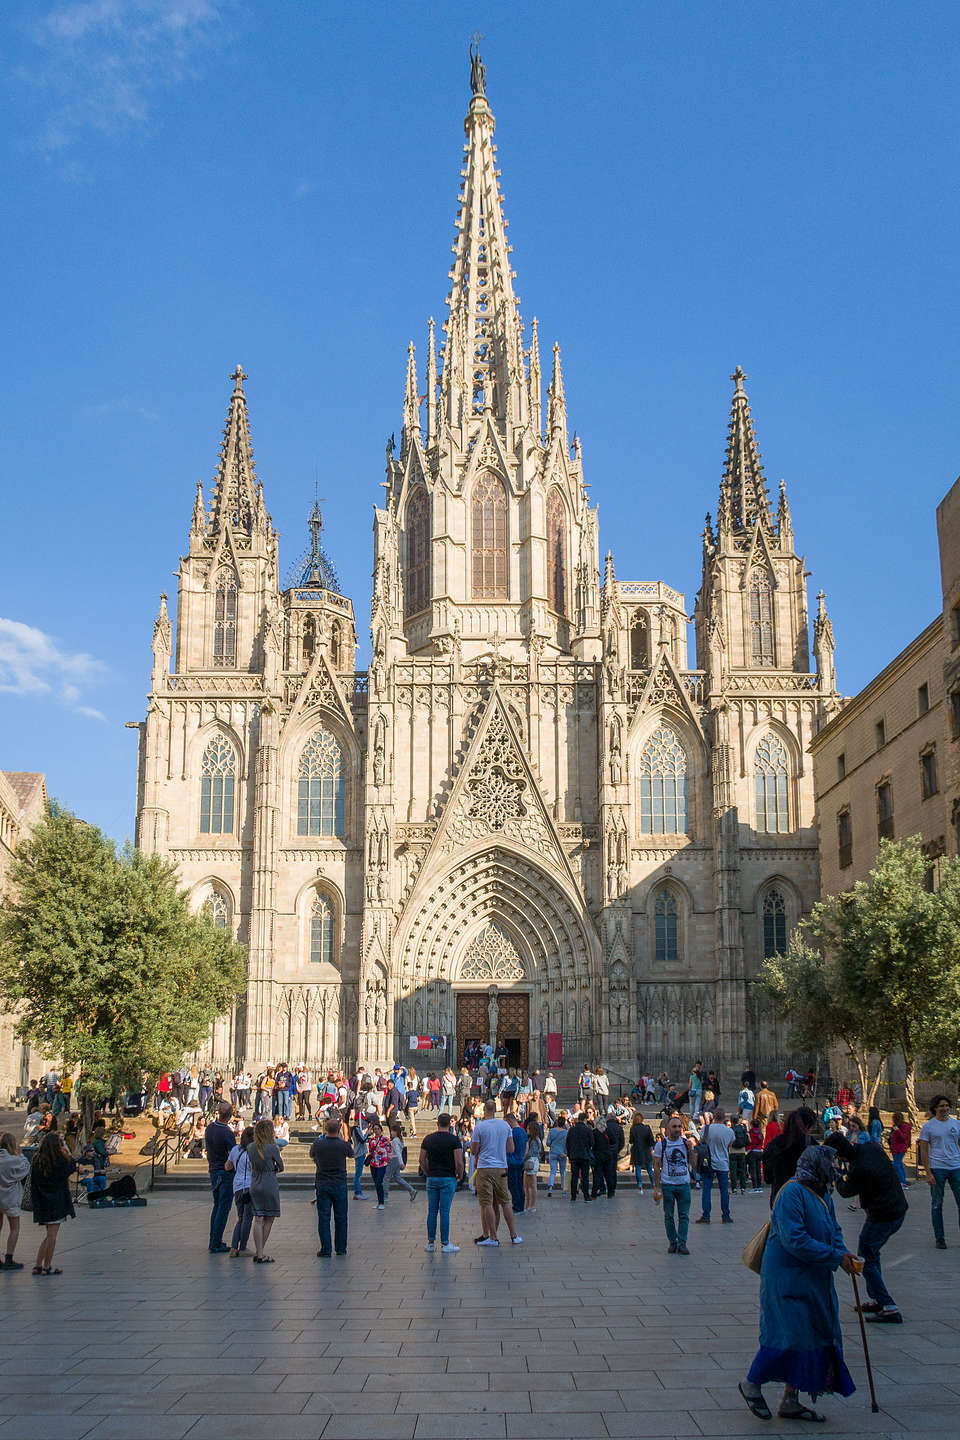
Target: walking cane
858	1268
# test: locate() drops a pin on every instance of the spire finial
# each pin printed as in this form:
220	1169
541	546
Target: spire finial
738	376
478	71
238	377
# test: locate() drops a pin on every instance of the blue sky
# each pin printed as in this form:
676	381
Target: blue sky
197	182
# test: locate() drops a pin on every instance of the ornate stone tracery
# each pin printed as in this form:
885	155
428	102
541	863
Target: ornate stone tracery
492	956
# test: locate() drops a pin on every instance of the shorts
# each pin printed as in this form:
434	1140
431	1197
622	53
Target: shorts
531	1167
492	1187
11	1211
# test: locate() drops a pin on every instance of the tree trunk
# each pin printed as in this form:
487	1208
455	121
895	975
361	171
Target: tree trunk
910	1090
87	1108
875	1085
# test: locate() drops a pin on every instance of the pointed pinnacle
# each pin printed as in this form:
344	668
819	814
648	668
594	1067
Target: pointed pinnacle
739	376
238	377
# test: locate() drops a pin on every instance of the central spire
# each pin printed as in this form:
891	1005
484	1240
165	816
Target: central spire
743	489
483	356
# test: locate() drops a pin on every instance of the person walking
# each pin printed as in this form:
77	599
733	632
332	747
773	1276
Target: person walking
899	1142
755	1157
395	1165
671	1183
492	1144
938	1156
448	1090
579	1147
642	1141
871	1177
695	1089
14	1169
441	1160
329	1153
718	1138
239	1163
360	1136
738	1156
557	1152
411	1086
515	1163
265	1165
50	1188
781	1155
532	1156
800	1338
380	1153
218	1141
766	1106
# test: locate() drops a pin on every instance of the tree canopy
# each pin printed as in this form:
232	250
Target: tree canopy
102	959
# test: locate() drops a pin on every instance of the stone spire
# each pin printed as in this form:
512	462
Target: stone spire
198	525
235	486
431	386
535	385
558	400
411	402
743	489
784	523
824	646
483	358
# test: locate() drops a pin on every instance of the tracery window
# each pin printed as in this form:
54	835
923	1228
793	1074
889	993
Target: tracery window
218	770
639	641
216	908
320	786
761	618
666	941
771	774
225	621
488	520
321	931
336	645
556	552
663	784
774	924
417	593
308	643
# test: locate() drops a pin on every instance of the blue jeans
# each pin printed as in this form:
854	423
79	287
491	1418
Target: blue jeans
440	1193
221	1185
446	1103
515	1181
941	1179
638	1171
722	1178
283	1103
873	1237
332	1197
558	1163
358	1164
898	1167
678	1195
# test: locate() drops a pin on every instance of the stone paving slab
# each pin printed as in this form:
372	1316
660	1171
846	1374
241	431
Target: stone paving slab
589	1329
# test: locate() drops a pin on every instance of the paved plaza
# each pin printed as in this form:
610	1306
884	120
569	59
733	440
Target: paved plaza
588	1329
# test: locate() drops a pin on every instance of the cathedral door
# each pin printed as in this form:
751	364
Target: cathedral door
513	1026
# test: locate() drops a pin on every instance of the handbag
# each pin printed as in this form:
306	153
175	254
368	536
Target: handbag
753	1250
26	1200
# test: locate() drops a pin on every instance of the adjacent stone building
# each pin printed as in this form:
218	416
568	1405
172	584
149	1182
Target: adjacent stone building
23	802
531	814
888	765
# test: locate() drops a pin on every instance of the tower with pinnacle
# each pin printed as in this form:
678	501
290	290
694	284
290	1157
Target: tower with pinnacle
532	821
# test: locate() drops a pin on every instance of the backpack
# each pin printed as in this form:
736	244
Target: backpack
741	1136
701	1154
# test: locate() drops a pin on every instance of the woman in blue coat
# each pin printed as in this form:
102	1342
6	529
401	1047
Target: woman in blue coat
800	1339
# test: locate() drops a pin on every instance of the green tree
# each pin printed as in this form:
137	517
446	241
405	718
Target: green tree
103	961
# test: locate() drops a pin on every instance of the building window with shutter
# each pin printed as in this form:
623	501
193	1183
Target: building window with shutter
844	839
884	810
928	772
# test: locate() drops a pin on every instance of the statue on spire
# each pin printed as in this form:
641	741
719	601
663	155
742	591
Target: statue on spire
478	71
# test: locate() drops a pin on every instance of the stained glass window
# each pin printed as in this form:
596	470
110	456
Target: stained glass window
774	924
320	786
556	552
771	773
639	641
321	932
417	593
665	928
663	784
488	518
218	770
761	618
225	621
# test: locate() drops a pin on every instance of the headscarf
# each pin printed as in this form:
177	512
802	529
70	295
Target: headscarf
816	1168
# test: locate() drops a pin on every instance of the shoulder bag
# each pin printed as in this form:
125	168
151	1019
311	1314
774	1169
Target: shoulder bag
753	1250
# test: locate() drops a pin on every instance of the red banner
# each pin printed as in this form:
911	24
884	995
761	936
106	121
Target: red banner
555	1050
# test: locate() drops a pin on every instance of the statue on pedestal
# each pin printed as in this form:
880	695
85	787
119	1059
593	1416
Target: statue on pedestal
493	1014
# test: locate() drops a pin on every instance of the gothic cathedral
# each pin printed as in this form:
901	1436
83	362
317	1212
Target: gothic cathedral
529	808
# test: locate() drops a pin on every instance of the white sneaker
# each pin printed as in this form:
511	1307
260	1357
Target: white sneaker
381	1207
429	1246
488	1242
449	1249
360	1197
518	1239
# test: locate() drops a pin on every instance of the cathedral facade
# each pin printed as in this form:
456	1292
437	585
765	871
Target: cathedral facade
530	811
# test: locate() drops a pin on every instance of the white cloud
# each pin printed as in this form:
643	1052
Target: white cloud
32	664
101	62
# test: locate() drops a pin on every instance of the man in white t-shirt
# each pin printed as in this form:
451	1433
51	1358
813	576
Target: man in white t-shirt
718	1137
491	1144
671	1182
938	1155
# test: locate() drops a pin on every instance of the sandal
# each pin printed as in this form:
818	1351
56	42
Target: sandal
263	1260
37	1270
756	1405
802	1412
52	1270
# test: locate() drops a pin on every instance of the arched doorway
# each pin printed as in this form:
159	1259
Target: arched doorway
492	995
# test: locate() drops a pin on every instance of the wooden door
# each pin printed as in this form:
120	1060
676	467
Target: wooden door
472	1022
513	1027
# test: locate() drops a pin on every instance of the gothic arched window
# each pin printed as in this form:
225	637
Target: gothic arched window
320	786
774	924
771	773
761	618
556	552
488	522
308	643
225	621
218	910
336	645
218	771
666	942
321	931
639	641
417	592
663	784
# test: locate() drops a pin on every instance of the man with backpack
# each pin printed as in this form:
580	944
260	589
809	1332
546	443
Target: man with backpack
713	1162
738	1157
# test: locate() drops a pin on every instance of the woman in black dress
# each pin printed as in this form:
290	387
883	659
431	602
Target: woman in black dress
50	1188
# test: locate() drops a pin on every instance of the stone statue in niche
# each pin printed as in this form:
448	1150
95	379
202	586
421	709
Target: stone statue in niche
381	1007
493	1014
